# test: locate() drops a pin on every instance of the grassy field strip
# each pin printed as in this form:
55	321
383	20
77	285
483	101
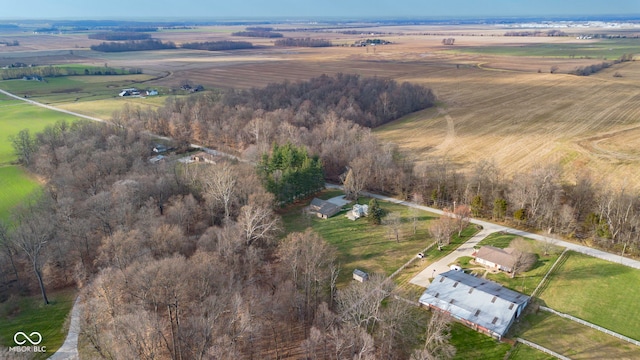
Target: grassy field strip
15	185
51	321
593	326
543	349
535	291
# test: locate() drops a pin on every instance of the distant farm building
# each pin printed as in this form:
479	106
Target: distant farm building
359	275
129	92
32	78
496	258
133	92
479	303
323	209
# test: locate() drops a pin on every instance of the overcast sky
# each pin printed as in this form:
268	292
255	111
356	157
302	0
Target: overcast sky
207	9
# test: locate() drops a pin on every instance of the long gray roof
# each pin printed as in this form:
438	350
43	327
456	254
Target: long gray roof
477	300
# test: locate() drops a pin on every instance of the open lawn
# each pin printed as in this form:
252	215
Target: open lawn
471	344
16	115
104	109
571	339
360	244
525	282
73	88
15	185
598	291
29	314
524	352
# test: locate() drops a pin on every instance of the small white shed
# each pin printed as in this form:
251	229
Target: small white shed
360	275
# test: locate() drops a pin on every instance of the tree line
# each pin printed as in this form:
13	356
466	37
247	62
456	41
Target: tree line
218	45
303	42
594	68
257	33
139	45
55	71
120	35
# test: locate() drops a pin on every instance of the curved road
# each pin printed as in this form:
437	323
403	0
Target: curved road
489	228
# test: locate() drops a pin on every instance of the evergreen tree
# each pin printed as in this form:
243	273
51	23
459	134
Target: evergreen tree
375	212
289	172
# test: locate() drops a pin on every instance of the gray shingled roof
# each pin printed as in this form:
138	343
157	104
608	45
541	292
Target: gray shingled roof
476	300
324	207
497	256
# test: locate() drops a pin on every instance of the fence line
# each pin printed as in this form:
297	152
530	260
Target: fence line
593	326
543	349
410	261
544	279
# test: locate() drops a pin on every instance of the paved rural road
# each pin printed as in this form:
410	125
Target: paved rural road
489	228
50	107
69	350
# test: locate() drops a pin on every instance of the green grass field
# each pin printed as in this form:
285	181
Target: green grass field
524	352
29	314
15	185
571	339
471	344
16	115
360	244
609	49
529	280
598	291
74	88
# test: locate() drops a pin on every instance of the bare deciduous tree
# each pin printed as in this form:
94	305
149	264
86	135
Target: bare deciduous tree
442	229
258	223
523	256
436	344
393	222
34	230
462	215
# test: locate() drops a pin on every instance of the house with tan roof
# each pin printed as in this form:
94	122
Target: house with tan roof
496	258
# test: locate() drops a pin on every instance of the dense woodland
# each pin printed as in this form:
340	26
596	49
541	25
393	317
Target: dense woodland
186	261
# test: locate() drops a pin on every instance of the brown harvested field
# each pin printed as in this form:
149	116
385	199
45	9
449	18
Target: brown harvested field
492	106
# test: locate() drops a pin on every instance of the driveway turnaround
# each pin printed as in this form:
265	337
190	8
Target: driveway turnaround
442	265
